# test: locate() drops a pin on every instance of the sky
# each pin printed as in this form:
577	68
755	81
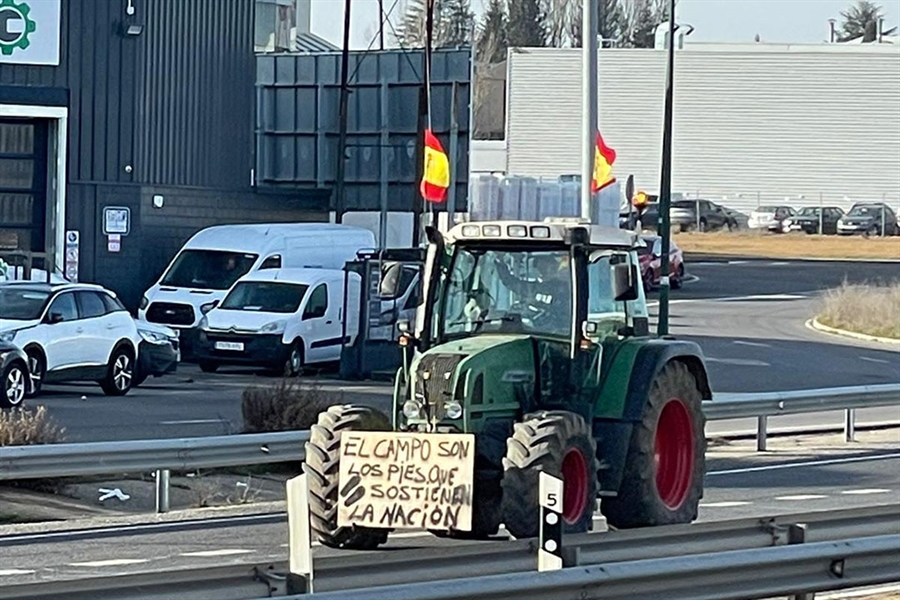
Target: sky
782	21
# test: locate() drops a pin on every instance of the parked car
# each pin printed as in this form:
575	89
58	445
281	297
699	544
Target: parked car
770	218
813	219
211	262
281	319
683	216
649	220
14	376
650	257
158	352
869	218
70	332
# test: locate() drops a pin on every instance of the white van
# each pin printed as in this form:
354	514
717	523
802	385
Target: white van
281	319
215	258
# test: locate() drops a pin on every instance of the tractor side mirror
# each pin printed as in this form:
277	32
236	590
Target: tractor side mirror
625	281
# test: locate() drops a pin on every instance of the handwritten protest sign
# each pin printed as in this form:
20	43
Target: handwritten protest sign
406	480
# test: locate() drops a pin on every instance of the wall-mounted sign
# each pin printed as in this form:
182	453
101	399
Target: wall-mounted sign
29	32
116	220
71	263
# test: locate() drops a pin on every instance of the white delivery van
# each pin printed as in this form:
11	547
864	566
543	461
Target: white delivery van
282	320
215	258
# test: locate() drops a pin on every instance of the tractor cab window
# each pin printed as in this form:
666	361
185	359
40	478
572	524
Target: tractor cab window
603	308
508	291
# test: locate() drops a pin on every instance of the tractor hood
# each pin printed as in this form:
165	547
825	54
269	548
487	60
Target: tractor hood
483	374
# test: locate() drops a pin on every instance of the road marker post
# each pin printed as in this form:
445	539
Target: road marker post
550	493
300	578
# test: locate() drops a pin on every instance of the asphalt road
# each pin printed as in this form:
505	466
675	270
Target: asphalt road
748	315
799	476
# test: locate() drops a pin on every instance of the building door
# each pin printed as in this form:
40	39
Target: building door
23	186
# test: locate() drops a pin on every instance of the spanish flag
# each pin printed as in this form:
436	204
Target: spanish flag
604	157
436	176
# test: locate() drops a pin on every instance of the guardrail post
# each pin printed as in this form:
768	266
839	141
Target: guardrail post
850	425
162	490
797	535
761	424
300	577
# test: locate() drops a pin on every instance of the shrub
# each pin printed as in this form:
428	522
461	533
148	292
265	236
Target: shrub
285	406
868	309
19	427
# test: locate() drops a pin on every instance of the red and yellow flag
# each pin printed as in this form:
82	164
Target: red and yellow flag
436	175
604	157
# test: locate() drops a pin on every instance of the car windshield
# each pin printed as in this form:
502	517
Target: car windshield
684	204
508	291
264	296
865	211
208	269
22	305
769	209
809	212
654	246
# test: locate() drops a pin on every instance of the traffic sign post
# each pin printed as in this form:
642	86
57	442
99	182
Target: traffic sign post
550	490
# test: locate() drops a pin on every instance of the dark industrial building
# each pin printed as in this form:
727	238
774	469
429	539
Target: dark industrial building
128	125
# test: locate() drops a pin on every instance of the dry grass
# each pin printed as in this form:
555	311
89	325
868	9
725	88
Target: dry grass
20	427
285	406
868	309
799	245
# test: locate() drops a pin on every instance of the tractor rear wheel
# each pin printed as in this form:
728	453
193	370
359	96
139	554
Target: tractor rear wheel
558	443
322	469
663	479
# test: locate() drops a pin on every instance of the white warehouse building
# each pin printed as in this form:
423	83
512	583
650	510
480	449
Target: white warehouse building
754	123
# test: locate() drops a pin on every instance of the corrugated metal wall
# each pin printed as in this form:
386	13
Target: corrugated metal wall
767	121
297	122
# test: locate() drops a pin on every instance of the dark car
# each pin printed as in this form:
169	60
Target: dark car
628	218
684	216
650	258
15	377
813	219
158	352
869	218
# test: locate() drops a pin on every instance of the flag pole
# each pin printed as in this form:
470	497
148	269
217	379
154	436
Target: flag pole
589	102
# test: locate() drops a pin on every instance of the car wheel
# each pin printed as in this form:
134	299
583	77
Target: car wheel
119	373
703	226
36	367
15	384
678	279
293	364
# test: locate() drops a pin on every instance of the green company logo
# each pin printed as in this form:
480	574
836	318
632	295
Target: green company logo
15	26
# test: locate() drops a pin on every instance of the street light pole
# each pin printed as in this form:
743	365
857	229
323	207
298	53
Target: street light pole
589	102
665	184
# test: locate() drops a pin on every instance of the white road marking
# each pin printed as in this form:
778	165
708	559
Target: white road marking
754	344
875	360
799	497
738	262
193	422
9	572
866	492
115	562
223	552
779	264
724	504
811	463
739	362
866	592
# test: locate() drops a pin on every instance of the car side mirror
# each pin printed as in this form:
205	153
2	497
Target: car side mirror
54	318
625	280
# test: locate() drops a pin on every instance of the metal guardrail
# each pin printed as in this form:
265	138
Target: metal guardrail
363	570
162	456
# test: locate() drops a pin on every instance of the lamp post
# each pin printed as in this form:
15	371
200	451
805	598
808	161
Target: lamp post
589	102
665	184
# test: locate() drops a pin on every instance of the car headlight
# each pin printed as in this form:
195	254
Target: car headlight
453	409
145	302
273	327
412	409
153	337
8	336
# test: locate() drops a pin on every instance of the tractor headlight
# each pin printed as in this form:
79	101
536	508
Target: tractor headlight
453	409
412	409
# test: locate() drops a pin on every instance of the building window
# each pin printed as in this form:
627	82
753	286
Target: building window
276	25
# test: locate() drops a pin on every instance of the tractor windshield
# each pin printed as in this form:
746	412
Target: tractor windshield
508	291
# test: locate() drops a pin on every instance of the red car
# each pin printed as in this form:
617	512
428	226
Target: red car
651	264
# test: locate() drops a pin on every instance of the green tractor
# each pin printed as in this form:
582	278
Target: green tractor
534	338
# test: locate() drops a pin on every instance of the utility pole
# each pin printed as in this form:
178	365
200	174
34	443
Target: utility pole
381	19
342	118
589	102
665	184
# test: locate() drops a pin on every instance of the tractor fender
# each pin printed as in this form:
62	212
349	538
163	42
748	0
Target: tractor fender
650	360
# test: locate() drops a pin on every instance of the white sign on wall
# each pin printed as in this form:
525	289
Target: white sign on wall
29	32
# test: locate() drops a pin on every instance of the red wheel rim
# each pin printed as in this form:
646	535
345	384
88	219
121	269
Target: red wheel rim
674	454
575	485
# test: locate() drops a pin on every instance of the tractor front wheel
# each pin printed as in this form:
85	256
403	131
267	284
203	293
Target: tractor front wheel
663	479
322	468
558	443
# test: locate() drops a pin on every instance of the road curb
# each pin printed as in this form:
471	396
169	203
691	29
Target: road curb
815	325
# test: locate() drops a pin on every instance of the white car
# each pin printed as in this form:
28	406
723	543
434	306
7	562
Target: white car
770	218
70	332
282	320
